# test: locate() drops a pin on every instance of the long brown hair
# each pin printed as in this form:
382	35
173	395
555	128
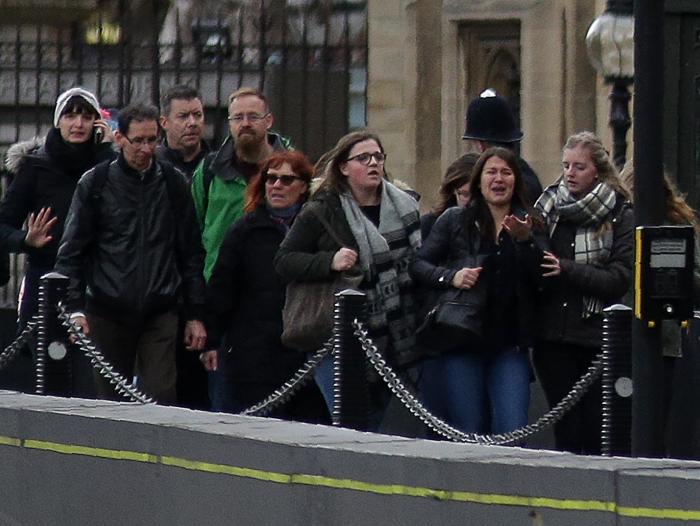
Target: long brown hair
300	164
328	166
678	211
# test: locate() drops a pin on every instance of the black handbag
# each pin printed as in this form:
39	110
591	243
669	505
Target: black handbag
307	316
454	317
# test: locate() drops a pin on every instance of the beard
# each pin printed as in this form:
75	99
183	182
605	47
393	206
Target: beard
250	145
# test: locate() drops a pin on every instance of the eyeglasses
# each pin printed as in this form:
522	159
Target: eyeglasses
286	180
140	141
252	117
366	158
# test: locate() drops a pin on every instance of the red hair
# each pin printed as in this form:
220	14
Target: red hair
300	164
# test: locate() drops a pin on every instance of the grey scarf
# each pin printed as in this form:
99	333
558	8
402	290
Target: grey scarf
385	255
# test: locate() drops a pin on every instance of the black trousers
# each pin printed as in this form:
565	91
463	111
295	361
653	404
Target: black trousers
558	367
147	349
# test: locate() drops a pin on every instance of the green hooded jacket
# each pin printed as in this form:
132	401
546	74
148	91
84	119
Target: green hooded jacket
218	191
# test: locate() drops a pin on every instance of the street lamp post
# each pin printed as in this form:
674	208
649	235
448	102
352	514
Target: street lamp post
610	44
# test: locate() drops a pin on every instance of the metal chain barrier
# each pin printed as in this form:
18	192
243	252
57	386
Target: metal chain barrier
443	428
99	362
282	395
13	349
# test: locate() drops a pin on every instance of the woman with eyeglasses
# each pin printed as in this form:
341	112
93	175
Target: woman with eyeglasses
380	230
454	190
245	297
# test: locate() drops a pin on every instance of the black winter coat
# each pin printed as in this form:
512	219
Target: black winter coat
136	251
560	304
245	297
455	236
307	251
43	179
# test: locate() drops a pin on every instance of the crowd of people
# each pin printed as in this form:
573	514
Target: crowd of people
179	258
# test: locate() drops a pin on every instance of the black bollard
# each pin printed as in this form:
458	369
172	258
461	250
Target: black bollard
52	362
616	432
350	390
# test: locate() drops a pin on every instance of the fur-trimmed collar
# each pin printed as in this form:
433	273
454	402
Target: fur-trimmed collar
19	151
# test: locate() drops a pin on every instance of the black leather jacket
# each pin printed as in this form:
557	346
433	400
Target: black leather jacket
455	237
129	251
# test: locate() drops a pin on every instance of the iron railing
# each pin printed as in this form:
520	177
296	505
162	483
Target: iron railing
308	56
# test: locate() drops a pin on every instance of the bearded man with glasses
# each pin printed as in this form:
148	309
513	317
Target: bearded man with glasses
219	182
132	251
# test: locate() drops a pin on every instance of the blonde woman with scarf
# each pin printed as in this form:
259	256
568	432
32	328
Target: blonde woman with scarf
587	267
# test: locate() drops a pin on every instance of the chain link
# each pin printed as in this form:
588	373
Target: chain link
443	428
99	362
13	349
284	393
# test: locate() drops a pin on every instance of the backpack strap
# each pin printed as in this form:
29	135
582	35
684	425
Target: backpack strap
99	180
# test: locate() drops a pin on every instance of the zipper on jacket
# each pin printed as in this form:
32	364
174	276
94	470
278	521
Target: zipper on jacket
142	244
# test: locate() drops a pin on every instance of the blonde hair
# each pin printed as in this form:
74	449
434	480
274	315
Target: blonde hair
600	157
248	92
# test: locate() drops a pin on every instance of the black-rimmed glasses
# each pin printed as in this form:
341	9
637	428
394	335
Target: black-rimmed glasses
366	158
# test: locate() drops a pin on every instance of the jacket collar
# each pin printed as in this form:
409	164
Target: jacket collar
225	159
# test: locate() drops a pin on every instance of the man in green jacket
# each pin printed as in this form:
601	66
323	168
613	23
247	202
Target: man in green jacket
219	182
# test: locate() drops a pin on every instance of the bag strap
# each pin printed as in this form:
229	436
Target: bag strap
324	222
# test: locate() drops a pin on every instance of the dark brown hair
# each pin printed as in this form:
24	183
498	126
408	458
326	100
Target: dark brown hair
300	164
328	166
457	174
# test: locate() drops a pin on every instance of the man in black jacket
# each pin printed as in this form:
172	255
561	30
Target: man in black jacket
182	120
132	249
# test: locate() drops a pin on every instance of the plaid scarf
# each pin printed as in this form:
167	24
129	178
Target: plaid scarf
593	243
385	255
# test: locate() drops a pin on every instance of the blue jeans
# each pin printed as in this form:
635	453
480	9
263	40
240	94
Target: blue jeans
474	389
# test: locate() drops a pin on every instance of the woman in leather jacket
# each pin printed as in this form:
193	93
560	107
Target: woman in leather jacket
484	386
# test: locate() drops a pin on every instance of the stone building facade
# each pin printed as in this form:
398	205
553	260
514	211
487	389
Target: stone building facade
429	58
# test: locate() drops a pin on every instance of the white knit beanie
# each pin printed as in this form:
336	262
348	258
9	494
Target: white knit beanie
64	97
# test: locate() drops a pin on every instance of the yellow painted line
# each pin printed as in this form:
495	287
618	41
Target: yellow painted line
659	513
88	451
9	441
357	485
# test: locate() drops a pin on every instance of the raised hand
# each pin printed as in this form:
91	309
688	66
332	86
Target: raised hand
38	227
520	230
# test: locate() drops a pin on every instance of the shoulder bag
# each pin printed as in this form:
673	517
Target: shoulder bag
454	320
307	316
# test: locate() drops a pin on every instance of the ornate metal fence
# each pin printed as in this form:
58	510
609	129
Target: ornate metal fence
308	56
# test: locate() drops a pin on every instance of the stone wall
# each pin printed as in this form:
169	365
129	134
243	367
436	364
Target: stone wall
417	85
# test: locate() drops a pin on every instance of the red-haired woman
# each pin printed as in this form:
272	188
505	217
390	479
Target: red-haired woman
245	296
